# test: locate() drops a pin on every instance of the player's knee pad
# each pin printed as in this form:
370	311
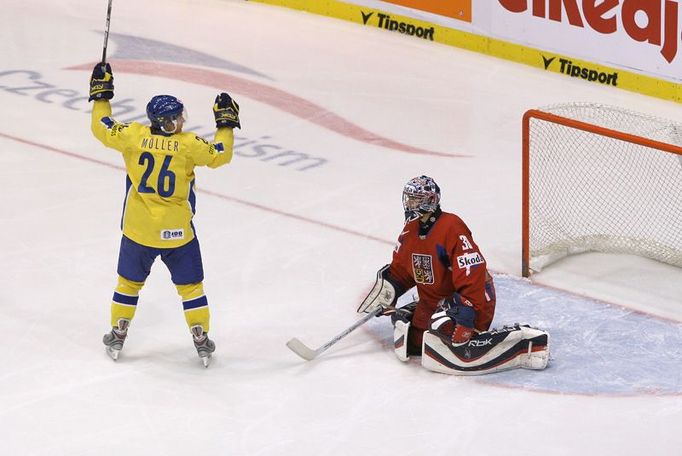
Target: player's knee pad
518	346
190	291
128	287
400	339
401	320
406	340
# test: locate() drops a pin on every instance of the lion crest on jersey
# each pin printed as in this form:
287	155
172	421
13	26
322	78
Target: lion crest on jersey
422	268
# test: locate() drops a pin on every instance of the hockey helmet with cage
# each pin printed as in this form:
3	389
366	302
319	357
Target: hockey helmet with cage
421	196
164	111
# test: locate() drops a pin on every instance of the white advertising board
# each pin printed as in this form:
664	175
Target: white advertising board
639	35
643	36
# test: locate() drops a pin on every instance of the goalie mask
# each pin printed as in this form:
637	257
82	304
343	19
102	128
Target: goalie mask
165	112
421	196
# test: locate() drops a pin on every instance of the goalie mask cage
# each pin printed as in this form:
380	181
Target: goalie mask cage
600	178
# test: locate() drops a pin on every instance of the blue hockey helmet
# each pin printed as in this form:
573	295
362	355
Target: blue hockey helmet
163	112
421	195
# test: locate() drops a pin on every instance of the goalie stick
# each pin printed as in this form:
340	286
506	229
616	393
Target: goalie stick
309	354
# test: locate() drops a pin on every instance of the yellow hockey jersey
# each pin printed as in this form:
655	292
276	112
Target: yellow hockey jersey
160	194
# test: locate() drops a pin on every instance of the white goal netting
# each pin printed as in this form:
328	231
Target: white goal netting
588	191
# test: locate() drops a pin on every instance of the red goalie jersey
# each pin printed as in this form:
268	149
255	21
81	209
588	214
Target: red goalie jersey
440	257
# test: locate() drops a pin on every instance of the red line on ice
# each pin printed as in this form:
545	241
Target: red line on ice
208	192
277	98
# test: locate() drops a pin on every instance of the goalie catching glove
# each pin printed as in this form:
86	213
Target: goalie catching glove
384	294
454	317
226	112
101	83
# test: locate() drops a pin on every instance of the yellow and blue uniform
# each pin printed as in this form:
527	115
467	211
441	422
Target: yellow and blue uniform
159	207
159	202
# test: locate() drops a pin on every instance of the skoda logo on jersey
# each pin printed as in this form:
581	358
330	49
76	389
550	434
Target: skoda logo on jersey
468	260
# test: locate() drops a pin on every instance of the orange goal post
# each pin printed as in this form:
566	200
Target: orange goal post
600	178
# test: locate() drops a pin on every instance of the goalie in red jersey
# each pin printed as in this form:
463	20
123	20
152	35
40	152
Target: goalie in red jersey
449	323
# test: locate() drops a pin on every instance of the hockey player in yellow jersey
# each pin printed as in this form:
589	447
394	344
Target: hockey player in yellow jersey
160	201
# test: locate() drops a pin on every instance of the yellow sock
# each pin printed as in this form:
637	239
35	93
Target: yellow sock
195	304
124	302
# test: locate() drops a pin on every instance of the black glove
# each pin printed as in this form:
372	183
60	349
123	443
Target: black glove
101	83
226	112
404	314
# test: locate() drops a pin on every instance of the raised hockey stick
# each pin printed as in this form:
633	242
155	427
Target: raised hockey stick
309	354
106	35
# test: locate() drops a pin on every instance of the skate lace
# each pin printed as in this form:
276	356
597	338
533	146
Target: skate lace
203	344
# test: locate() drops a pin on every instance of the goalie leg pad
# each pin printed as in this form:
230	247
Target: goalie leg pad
537	355
511	347
400	340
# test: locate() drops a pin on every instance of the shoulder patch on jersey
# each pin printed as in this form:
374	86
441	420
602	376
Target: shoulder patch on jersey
108	122
121	126
113	126
466	245
118	127
219	147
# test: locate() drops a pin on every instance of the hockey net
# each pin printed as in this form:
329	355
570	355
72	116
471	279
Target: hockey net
600	178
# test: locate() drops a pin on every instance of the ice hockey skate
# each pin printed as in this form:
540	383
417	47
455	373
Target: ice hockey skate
114	340
205	346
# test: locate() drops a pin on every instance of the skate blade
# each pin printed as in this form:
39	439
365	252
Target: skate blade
206	360
113	354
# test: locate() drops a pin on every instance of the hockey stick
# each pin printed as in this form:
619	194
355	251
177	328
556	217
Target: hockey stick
309	354
106	35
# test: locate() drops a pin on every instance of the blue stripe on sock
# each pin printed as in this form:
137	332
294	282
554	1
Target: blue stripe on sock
125	299
195	303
